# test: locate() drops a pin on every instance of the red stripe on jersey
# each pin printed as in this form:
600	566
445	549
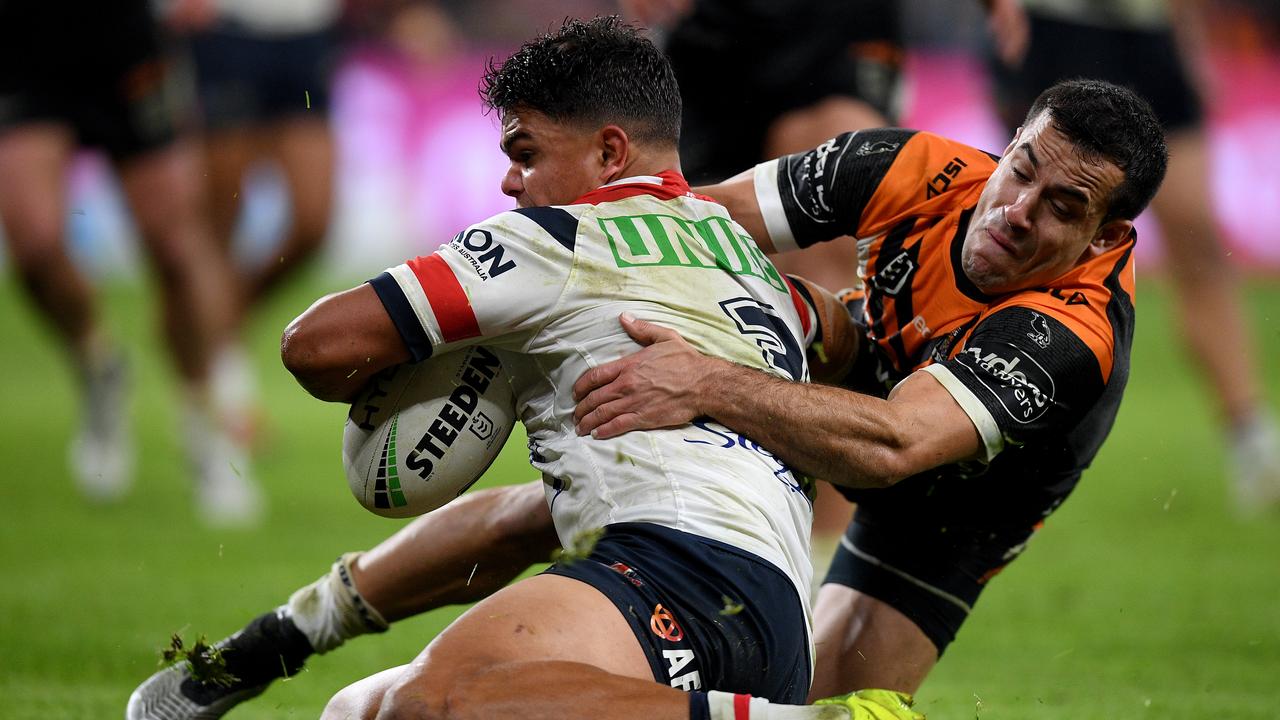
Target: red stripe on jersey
802	308
448	300
741	707
673	186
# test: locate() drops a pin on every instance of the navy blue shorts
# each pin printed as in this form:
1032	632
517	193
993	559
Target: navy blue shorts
708	615
931	574
99	69
245	79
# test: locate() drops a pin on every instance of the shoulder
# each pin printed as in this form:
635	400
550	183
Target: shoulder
1094	303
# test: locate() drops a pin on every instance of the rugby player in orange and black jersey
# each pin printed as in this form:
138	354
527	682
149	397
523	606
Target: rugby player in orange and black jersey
1039	371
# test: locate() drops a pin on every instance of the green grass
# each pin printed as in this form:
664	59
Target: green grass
1142	598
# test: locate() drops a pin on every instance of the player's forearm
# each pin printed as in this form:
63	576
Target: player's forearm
840	436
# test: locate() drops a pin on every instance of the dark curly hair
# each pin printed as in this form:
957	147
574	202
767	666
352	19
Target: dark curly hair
1108	121
590	72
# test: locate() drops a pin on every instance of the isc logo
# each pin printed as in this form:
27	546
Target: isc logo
942	180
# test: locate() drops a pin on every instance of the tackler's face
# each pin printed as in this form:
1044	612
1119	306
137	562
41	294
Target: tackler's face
1041	213
552	162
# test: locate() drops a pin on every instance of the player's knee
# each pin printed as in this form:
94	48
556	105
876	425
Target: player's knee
416	698
347	704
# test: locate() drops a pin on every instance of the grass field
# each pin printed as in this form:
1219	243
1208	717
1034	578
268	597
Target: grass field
1142	598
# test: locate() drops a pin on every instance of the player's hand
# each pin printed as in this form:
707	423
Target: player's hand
655	14
1010	29
875	705
653	388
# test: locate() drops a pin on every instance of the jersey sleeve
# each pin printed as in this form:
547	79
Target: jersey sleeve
1022	375
861	183
495	283
819	195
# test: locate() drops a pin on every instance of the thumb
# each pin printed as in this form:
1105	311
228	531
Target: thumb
644	332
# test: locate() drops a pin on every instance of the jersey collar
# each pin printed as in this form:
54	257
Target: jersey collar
666	185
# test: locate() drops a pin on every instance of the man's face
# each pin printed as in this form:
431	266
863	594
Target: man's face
1040	213
552	163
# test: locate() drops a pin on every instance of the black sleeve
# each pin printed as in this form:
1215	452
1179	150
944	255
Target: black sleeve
824	190
1030	371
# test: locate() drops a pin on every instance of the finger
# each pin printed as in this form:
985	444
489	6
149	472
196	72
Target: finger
602	415
620	425
644	332
597	377
594	399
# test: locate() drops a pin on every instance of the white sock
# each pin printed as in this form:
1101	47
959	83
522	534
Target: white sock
331	611
731	706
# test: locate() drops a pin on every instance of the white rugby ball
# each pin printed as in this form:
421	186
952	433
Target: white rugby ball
422	433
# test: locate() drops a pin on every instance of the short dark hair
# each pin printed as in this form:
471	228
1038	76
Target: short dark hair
594	71
1115	123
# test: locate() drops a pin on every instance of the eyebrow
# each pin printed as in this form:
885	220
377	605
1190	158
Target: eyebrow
510	139
1067	190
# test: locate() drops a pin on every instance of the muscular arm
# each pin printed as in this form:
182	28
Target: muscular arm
340	342
841	436
738	196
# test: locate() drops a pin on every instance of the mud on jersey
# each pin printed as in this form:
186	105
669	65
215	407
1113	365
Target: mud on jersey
544	287
1040	372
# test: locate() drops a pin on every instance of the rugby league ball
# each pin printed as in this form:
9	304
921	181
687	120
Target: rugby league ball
422	433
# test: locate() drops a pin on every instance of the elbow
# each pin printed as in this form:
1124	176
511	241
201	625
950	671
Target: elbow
299	350
878	467
310	359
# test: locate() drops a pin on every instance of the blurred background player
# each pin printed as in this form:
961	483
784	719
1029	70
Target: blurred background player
762	79
103	80
1133	43
262	75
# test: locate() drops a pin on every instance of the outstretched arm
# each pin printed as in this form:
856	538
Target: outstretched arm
841	436
340	342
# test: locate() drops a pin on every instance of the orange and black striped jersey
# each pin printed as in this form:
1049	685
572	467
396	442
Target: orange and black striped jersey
1040	371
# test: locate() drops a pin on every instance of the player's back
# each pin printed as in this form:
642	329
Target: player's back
682	263
545	286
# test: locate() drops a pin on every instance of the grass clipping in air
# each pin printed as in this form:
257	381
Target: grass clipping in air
581	547
204	661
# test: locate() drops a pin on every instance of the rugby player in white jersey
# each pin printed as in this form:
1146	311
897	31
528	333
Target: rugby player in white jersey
691	523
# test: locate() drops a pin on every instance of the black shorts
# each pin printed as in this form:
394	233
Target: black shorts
97	67
245	79
1145	61
931	573
743	63
708	615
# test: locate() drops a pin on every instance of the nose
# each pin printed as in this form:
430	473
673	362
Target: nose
512	183
1017	215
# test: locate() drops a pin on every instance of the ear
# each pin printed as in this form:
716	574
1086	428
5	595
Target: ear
1112	234
1016	134
614	148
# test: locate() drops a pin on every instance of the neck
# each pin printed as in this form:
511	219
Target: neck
650	162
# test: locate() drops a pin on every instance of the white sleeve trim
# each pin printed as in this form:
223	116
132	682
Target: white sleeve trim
770	201
992	438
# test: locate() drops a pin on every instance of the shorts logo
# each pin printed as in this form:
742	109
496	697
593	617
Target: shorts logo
626	571
664	625
1022	385
1039	330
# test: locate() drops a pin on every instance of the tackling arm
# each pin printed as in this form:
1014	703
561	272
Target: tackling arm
341	341
841	436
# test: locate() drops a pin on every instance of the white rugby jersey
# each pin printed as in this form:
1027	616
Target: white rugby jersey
544	286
